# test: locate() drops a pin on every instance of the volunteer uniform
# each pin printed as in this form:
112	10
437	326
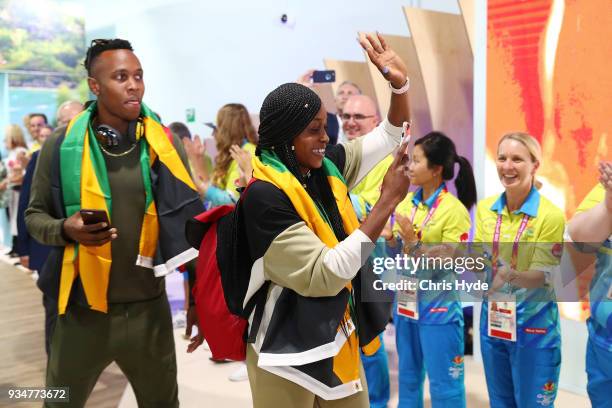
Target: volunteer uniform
429	324
519	330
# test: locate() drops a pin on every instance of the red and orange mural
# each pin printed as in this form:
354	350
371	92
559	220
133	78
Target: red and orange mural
548	74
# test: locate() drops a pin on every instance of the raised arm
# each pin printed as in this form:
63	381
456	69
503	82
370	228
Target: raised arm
593	220
394	70
365	152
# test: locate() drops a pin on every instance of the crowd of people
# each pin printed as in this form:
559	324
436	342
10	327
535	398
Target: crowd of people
317	191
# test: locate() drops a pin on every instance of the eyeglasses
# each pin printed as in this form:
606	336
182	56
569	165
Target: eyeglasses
358	116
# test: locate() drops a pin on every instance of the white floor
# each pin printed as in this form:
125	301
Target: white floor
203	383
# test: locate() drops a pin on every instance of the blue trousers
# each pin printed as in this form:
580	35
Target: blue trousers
437	350
599	373
520	377
376	369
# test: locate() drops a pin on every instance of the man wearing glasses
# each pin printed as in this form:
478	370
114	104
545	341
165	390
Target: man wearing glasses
345	91
359	116
111	194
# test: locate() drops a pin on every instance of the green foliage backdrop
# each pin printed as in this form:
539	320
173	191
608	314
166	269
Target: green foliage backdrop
40	36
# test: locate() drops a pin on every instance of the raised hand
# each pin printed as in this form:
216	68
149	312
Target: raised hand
306	78
23	159
605	178
196	151
243	158
198	147
390	65
387	232
396	182
406	230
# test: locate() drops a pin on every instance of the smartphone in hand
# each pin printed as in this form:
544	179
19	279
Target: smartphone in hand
324	76
95	216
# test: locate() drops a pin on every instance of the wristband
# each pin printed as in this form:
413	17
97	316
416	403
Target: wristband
401	90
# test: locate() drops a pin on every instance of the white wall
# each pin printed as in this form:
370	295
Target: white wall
204	54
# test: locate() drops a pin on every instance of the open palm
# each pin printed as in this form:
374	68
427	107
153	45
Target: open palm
390	65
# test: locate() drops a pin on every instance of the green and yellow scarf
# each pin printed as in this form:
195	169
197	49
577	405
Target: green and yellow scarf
85	184
269	168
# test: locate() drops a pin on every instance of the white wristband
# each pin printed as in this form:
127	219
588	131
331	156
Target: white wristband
401	90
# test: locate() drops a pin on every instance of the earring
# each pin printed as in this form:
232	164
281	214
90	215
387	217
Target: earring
292	147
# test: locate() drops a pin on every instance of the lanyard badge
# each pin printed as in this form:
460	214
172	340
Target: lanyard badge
429	215
515	245
408	298
502	306
502	316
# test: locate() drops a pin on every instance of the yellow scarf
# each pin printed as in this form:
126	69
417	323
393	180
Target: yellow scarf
85	185
272	170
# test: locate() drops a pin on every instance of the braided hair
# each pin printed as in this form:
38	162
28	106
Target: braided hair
284	114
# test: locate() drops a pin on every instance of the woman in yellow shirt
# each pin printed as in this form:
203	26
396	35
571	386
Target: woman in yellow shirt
429	324
522	232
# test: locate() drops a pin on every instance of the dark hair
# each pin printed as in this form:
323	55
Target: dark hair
284	114
180	130
440	150
42	115
98	46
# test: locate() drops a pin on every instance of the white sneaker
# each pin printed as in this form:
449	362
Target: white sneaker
240	374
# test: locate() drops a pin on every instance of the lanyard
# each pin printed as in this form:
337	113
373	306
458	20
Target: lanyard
429	215
515	245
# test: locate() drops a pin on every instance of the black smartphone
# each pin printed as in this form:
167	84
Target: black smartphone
94	217
324	76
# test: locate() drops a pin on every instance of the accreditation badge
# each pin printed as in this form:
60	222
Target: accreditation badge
502	316
407	299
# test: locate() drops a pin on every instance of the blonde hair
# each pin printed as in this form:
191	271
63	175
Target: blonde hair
531	144
14	135
233	126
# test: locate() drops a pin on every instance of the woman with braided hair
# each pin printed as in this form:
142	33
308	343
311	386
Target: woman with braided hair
308	246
